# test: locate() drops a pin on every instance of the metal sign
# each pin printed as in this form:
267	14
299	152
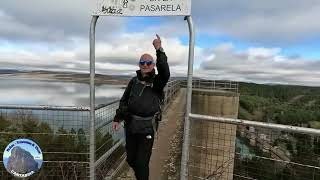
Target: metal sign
143	8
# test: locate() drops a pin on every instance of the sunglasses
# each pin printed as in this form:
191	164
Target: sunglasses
148	62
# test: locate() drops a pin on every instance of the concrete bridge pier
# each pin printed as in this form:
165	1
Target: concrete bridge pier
212	146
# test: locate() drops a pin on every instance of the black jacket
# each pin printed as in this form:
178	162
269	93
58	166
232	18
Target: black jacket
143	99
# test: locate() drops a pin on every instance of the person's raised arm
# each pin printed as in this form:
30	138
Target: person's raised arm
162	64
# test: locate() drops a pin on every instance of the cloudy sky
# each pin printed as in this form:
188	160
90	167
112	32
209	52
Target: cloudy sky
267	41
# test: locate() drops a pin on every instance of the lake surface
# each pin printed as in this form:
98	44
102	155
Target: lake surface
43	92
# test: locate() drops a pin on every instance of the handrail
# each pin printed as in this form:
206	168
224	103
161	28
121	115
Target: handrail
287	128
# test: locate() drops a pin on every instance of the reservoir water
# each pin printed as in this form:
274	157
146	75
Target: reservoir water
43	92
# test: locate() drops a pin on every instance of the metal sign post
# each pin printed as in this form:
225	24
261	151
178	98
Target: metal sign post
92	95
141	8
186	132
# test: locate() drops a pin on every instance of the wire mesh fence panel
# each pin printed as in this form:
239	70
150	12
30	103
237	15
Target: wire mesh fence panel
170	92
109	147
227	151
211	150
62	135
272	154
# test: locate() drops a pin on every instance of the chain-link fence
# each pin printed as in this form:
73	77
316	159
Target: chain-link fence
222	148
109	143
63	136
170	92
61	132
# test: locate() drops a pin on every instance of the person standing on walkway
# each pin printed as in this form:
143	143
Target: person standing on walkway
139	109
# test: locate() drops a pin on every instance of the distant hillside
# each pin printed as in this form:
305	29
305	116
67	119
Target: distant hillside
9	71
283	104
283	92
74	76
66	76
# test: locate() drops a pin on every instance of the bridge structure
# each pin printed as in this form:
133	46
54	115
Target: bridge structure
79	143
221	146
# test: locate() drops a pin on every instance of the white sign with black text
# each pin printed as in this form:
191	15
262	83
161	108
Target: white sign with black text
143	8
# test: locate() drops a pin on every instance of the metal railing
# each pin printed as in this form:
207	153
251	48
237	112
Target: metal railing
61	133
109	144
226	148
223	85
63	136
170	91
220	148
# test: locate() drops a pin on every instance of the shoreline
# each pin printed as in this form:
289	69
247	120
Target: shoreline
68	77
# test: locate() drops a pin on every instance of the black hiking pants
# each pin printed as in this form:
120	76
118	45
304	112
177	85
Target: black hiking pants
139	149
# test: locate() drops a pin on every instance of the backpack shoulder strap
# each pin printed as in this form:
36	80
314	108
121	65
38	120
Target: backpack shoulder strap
135	81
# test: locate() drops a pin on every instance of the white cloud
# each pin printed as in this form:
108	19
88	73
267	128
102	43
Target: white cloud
120	53
262	52
259	21
259	64
120	56
52	21
54	35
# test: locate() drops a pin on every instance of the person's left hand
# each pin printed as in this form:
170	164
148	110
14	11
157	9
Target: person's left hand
157	42
115	126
